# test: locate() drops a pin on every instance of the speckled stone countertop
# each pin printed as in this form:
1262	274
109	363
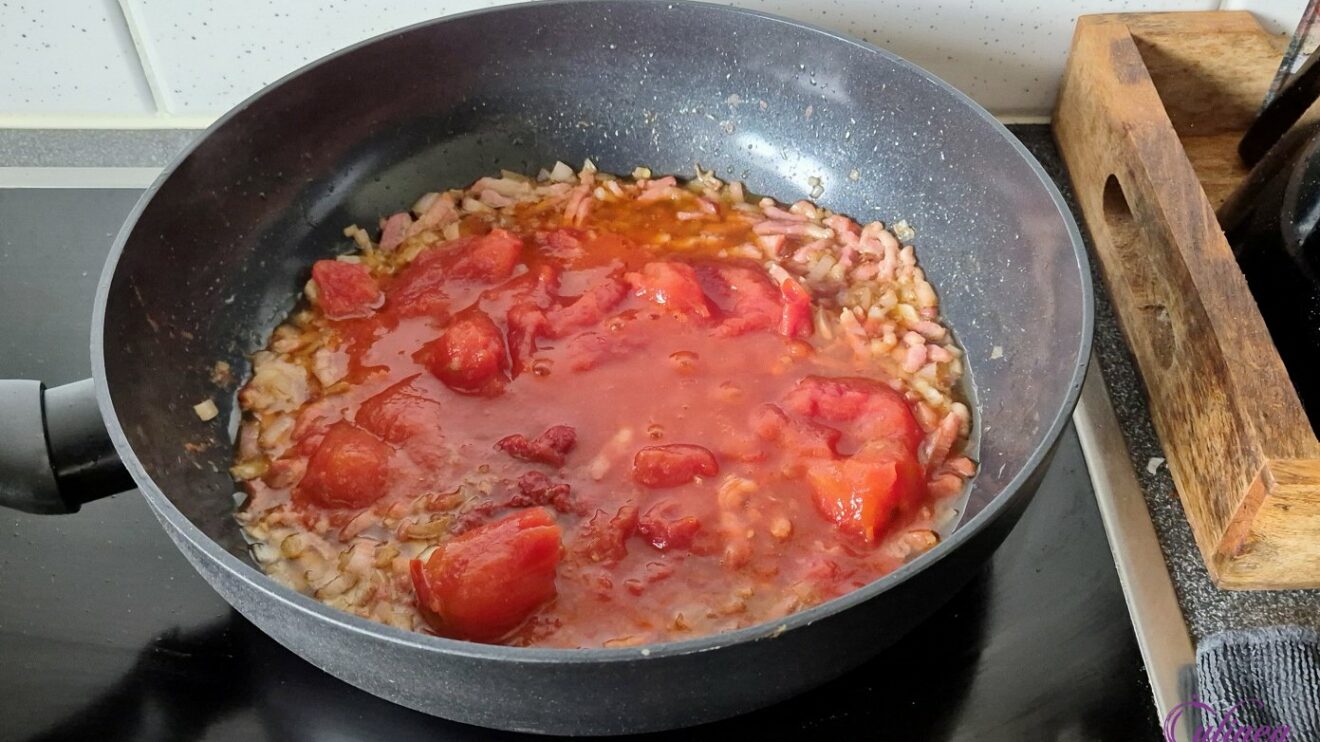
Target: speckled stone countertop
1205	608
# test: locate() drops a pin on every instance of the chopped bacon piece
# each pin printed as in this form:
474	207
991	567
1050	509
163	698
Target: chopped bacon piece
393	230
345	290
550	447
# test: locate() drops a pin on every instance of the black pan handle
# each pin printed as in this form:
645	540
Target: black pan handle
55	453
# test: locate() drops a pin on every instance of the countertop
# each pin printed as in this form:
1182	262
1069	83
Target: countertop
1206	609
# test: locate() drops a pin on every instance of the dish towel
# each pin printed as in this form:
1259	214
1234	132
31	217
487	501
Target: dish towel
1258	679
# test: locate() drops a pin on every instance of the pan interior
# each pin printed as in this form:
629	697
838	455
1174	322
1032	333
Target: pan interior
223	247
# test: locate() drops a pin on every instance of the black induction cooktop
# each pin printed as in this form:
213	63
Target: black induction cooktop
107	634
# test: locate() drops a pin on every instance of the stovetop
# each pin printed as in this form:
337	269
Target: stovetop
107	633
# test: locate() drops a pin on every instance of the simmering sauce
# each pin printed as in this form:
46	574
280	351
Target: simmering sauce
601	433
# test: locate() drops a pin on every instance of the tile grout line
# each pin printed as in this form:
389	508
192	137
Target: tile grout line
137	33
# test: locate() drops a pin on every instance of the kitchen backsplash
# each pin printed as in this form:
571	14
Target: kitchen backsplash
94	63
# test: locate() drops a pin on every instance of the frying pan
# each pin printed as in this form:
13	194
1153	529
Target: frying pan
217	249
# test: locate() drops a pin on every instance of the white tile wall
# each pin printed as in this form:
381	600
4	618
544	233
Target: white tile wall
201	57
1279	16
69	56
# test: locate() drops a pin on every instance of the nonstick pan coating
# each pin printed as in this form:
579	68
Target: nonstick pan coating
219	248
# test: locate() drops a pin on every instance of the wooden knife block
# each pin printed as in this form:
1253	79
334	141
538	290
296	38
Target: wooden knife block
1148	119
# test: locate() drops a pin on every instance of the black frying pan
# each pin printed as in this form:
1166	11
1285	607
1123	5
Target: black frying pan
216	251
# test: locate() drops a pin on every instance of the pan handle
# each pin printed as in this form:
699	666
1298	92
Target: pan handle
55	453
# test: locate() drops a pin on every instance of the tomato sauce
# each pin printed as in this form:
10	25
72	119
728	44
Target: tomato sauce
631	439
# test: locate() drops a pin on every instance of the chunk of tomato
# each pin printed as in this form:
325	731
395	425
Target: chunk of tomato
666	529
419	289
587	309
865	494
345	290
673	465
486	582
745	295
400	412
490	258
795	319
470	356
880	412
604	538
349	469
803	437
673	286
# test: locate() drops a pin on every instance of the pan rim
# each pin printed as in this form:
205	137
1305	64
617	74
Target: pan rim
182	527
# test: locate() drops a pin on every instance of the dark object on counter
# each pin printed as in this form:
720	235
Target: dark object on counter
1271	225
1290	93
1261	678
1280	113
216	252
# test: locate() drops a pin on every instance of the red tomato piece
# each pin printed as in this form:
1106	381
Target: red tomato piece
673	465
604	538
419	289
550	447
673	286
591	349
469	357
587	309
486	582
490	258
345	290
527	324
864	494
795	319
349	469
665	531
537	287
806	437
400	412
535	488
565	243
879	411
423	287
746	296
